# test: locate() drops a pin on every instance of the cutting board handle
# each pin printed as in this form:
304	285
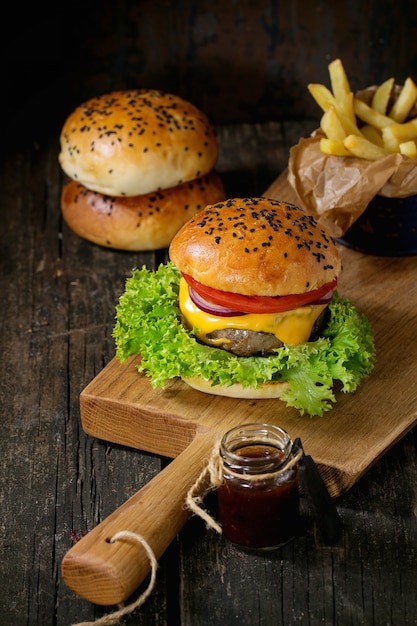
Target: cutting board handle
108	573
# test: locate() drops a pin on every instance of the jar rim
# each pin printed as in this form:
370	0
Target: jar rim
256	434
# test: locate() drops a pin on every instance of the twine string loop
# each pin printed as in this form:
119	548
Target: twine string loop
114	618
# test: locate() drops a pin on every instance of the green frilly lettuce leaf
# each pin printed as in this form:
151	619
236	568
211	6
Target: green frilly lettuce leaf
148	323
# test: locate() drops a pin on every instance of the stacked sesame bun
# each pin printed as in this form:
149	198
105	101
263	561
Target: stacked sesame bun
140	164
256	274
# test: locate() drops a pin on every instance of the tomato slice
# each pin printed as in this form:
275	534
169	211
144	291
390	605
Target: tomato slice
259	304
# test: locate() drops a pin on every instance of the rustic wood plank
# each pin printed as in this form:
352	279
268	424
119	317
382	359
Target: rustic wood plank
306	582
58	315
248	171
59	294
56	333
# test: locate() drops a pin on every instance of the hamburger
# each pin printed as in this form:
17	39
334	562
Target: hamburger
139	164
248	307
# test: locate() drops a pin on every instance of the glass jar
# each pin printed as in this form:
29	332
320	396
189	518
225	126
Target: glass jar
258	499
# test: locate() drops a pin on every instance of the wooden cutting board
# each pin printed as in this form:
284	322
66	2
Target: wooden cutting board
120	406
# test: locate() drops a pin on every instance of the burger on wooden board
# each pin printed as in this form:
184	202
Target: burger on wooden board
247	307
140	164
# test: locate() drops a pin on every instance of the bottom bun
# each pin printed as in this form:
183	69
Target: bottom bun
264	392
137	223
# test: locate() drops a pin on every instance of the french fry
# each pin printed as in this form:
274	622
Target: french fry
405	101
333	147
323	96
338	79
368	115
332	126
409	149
351	127
403	132
363	149
381	96
372	134
344	108
346	112
397	134
390	143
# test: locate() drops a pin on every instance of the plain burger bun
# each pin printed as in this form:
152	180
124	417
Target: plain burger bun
256	246
267	391
137	223
129	143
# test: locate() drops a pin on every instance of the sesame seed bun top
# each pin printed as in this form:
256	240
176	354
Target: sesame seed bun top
134	142
256	246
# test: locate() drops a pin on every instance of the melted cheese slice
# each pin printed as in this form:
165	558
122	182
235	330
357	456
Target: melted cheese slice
292	327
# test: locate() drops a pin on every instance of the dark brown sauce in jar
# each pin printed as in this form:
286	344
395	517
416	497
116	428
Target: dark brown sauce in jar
258	500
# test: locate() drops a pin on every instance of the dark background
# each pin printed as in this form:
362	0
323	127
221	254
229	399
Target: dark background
240	61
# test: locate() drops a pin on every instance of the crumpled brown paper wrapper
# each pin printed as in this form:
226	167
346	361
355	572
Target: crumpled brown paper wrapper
336	190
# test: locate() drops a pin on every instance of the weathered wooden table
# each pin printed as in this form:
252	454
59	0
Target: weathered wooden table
59	294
